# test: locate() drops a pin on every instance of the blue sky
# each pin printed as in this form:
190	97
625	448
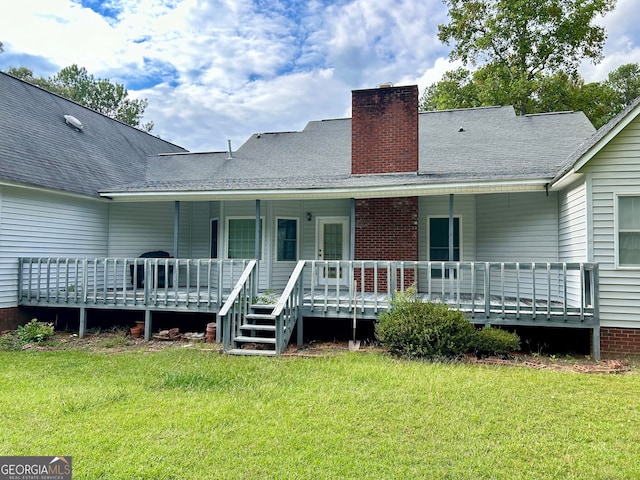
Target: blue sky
218	70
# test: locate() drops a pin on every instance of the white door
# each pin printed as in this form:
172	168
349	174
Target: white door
332	243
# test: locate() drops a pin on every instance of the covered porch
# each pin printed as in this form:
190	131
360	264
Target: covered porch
556	294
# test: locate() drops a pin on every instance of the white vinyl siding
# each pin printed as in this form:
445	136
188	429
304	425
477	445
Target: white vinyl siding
614	171
519	228
572	233
572	224
136	228
39	224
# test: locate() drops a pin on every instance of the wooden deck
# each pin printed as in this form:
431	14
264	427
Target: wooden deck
527	294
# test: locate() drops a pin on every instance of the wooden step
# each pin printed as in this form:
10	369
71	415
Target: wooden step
260	307
246	351
243	338
262	328
259	316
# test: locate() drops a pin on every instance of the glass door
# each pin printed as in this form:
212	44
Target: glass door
332	244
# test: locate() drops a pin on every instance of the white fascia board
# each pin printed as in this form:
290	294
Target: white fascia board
25	186
342	192
600	144
567	179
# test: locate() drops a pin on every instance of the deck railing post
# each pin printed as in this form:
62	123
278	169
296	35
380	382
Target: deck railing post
533	290
487	290
548	291
85	279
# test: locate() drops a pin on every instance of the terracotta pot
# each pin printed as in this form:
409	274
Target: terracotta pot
136	332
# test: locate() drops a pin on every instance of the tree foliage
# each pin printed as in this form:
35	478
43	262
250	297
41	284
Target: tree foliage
519	41
99	94
600	101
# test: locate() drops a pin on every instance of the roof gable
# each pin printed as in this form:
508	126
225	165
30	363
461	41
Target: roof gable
596	142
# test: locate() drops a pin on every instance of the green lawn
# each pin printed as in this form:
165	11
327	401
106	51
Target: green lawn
188	413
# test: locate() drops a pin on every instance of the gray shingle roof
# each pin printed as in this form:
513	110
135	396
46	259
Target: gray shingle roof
38	148
495	144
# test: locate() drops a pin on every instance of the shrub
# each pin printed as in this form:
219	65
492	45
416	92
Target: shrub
417	329
34	332
494	341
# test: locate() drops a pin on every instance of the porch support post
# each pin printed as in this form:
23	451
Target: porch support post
258	232
451	238
352	229
176	229
147	324
82	330
258	247
595	334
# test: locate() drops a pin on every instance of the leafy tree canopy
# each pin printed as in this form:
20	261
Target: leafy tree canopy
99	94
516	42
600	101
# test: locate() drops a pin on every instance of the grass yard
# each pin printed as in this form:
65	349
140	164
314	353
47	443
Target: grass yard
188	413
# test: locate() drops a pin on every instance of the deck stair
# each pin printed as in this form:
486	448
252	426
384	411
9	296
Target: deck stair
257	333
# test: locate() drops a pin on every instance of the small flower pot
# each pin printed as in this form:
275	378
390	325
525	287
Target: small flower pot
136	332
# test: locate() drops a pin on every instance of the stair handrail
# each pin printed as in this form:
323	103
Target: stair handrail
231	305
287	308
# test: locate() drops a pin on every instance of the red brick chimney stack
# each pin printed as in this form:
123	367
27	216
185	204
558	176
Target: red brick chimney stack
384	130
384	139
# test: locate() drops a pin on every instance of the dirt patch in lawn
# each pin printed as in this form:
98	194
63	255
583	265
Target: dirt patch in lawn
119	341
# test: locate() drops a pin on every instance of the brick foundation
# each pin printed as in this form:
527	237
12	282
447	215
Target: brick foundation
620	341
11	318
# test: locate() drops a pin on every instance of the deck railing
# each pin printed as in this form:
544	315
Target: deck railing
484	290
172	283
238	304
287	311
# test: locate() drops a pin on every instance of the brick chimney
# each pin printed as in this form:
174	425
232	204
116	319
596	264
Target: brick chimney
384	139
384	130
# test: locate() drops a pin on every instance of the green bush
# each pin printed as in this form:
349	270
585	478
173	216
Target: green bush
34	332
494	341
417	329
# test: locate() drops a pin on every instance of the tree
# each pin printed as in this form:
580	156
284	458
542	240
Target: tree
625	83
522	40
600	101
99	94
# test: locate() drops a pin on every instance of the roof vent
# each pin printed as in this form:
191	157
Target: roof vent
73	122
385	85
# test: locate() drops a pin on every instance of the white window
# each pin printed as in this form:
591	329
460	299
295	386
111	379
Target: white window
629	231
241	237
287	235
438	236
